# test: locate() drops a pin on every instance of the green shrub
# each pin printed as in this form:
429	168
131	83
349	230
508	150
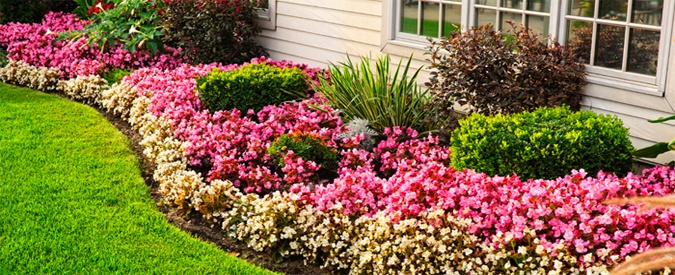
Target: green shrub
382	97
305	145
133	23
490	72
252	86
115	75
31	11
546	143
213	30
3	58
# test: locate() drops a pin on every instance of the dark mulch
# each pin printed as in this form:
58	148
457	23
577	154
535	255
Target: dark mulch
197	227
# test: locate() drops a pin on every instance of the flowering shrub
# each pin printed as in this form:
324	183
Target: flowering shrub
34	44
133	24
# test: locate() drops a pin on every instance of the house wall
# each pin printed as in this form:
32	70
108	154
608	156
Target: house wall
319	32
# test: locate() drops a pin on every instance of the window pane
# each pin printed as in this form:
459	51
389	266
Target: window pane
409	16
539	24
458	1
539	5
492	3
453	16
580	39
514	4
647	12
582	8
613	9
643	51
430	20
485	16
507	16
609	46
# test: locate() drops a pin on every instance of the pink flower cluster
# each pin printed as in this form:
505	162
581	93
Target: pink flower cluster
228	144
34	44
568	209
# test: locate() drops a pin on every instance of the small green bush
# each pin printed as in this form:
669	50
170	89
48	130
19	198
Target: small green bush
115	75
544	144
252	86
3	58
305	145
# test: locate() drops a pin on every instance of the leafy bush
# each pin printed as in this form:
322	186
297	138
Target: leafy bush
546	143
383	97
494	73
132	23
3	58
308	146
213	30
252	86
31	11
115	75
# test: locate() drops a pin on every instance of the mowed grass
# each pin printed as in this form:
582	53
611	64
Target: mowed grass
72	200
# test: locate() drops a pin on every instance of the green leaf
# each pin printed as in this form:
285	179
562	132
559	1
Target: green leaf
662	119
152	46
652	151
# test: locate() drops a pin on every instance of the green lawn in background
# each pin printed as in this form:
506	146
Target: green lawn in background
429	27
72	199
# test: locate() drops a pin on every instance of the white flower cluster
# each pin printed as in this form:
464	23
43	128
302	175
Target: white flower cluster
119	99
21	73
87	89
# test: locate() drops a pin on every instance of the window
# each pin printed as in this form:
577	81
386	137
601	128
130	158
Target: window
267	14
616	38
619	35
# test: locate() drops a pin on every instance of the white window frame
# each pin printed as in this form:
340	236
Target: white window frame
654	85
267	18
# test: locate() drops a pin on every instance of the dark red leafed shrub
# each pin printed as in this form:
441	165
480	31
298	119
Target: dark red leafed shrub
213	30
492	72
31	11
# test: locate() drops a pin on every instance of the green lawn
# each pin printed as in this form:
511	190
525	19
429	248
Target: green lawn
72	199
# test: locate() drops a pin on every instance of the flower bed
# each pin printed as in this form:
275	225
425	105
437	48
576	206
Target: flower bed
398	208
35	44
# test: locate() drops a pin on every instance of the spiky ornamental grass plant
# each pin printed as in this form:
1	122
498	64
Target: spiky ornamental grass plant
384	98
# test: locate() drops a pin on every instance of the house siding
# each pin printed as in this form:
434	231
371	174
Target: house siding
319	32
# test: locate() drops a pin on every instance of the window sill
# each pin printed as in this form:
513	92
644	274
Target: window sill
620	83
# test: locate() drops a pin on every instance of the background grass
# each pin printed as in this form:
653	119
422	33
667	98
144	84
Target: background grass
72	199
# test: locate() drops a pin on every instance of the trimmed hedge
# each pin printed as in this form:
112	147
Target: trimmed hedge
252	86
546	143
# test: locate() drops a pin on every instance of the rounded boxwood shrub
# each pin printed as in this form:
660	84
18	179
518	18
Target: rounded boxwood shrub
252	86
543	144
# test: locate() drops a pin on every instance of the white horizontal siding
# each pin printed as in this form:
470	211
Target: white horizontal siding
322	31
318	32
